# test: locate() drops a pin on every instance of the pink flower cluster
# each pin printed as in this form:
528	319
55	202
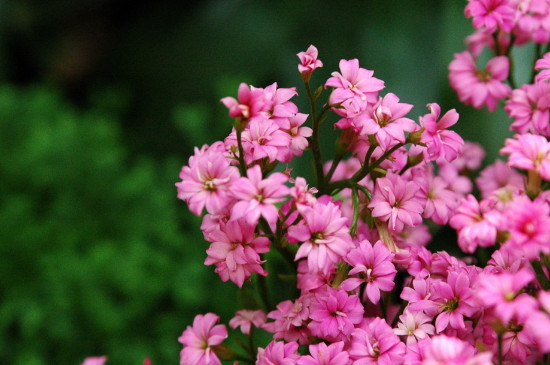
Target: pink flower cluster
368	290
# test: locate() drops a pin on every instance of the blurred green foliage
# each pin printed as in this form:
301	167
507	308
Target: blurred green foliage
96	255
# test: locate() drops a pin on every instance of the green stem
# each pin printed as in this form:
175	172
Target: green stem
499	339
242	164
356	204
314	140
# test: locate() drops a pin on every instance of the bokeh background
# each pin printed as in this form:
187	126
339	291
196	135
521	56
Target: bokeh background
101	103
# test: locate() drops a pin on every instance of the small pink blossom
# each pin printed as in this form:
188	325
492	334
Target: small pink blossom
474	229
496	176
501	292
441	143
373	265
491	14
290	320
395	201
414	325
245	319
249	104
257	196
375	343
529	107
199	339
354	88
278	353
324	236
334	313
528	152
97	360
235	251
309	62
476	87
444	350
207	180
543	66
323	354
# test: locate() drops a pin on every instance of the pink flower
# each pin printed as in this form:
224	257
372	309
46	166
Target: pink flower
199	339
529	107
257	196
395	201
444	350
375	343
528	223
455	299
250	103
323	354
323	234
278	353
236	251
529	152
334	313
474	229
441	202
497	176
309	62
374	267
476	87
207	180
98	360
441	143
544	65
414	325
290	320
245	319
502	293
355	87
491	14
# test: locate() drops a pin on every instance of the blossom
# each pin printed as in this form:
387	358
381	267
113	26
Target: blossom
374	266
375	343
199	339
528	152
323	234
441	143
323	354
474	229
96	360
250	103
414	325
385	120
491	14
497	176
334	313
444	350
395	201
245	319
544	65
309	62
236	251
502	293
529	107
476	87
354	88
278	353
440	200
290	320
207	180
528	223
257	196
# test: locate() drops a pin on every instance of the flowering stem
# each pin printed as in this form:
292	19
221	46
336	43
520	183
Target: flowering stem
533	183
242	164
333	167
355	202
541	275
499	340
399	312
538	54
314	139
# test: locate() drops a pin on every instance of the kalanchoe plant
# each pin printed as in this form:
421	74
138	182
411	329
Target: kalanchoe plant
368	291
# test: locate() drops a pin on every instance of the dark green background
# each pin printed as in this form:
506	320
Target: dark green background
101	103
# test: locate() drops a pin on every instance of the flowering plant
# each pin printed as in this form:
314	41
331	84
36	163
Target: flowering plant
366	289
